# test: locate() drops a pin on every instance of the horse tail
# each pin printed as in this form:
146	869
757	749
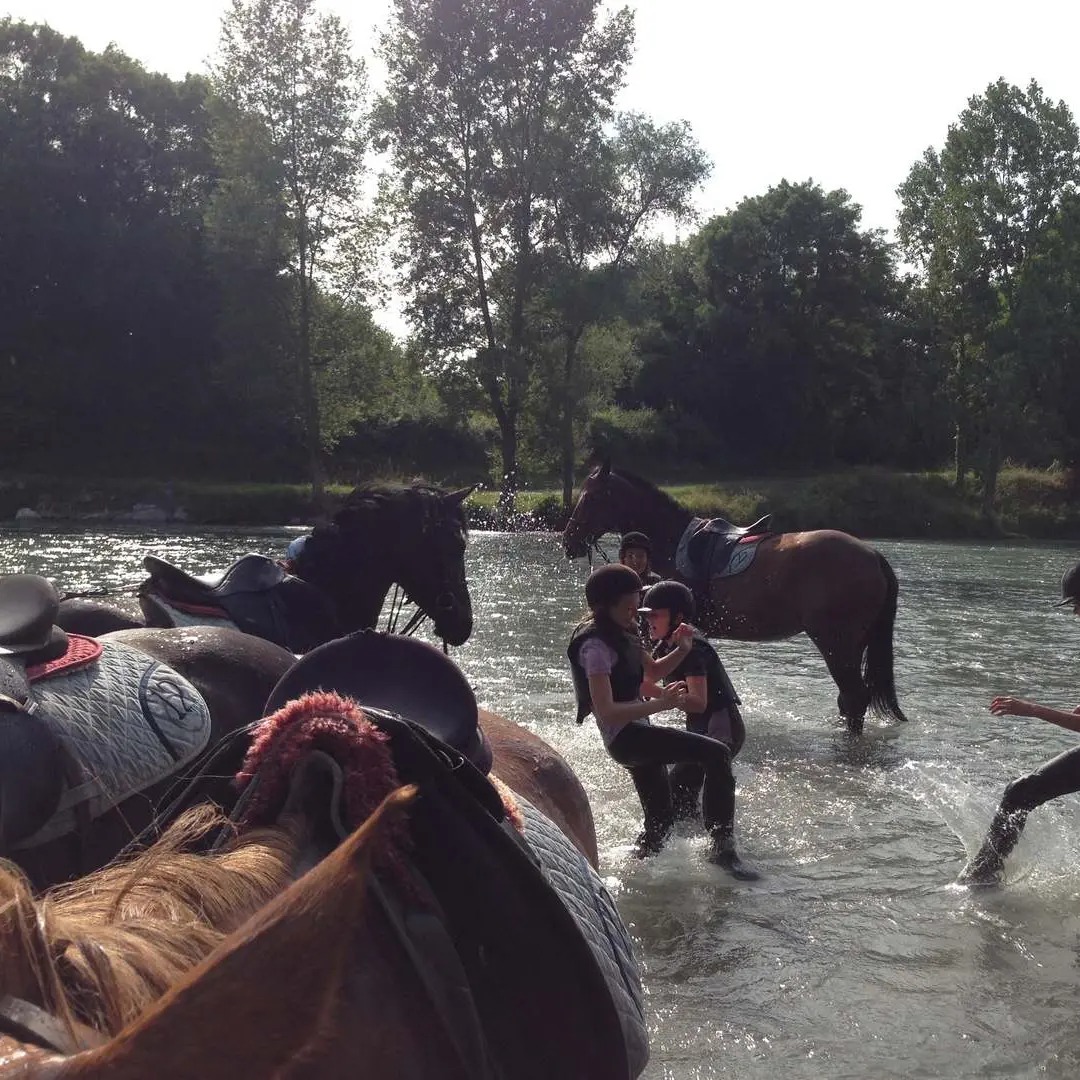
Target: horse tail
878	658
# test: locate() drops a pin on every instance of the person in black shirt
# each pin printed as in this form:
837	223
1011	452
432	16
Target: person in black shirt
711	704
635	551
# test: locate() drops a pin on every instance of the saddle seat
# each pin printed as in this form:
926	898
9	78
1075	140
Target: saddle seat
249	574
29	605
723	529
396	674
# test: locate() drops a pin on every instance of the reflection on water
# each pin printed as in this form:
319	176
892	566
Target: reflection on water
855	956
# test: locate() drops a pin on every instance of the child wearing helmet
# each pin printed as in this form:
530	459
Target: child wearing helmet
712	704
635	551
609	664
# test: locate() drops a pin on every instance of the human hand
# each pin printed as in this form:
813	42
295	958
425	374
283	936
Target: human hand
1010	706
674	695
683	637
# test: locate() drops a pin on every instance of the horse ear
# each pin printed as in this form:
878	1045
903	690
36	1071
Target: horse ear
196	1030
458	497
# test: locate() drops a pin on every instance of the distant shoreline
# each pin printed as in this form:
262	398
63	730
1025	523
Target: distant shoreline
1033	504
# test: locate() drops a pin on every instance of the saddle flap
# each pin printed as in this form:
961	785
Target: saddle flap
251	573
399	675
177	583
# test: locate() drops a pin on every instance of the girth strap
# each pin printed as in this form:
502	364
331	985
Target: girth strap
30	1023
430	949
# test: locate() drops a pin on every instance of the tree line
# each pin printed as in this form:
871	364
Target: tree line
188	268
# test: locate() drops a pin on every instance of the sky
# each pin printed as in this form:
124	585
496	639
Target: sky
847	92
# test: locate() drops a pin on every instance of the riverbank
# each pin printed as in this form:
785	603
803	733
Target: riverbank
1039	504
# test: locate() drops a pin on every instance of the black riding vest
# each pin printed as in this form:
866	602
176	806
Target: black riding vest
626	675
721	692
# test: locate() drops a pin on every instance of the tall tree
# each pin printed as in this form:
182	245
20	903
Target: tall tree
775	329
291	94
638	174
490	108
972	214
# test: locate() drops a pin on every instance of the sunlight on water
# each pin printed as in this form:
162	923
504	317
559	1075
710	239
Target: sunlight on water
855	956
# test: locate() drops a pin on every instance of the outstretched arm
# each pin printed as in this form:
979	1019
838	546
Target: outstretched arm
1010	706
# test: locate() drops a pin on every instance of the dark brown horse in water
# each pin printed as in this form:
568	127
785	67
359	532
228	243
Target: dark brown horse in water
831	586
175	965
411	536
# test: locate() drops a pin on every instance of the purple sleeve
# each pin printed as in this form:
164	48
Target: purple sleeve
597	657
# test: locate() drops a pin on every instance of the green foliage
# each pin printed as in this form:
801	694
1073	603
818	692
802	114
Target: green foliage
289	147
973	216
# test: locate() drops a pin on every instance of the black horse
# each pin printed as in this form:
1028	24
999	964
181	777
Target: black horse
413	536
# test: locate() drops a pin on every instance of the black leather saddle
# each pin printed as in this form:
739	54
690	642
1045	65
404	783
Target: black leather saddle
32	764
401	675
29	605
256	593
250	573
710	547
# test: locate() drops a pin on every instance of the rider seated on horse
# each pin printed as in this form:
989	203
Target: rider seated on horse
712	704
609	664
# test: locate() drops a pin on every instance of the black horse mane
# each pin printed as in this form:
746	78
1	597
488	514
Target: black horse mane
646	487
417	496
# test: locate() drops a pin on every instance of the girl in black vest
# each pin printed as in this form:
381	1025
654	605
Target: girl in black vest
712	705
609	665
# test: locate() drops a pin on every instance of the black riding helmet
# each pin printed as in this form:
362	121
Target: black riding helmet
670	596
635	540
608	584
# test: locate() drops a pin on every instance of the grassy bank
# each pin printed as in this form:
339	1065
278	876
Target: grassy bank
866	502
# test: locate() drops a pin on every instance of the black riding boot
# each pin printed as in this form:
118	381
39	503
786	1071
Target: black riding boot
986	866
725	855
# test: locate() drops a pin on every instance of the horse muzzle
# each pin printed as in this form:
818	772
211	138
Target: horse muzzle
575	545
453	620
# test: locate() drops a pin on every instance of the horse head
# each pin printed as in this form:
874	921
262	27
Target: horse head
598	510
413	536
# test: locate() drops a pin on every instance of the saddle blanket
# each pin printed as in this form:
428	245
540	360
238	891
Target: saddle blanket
127	720
704	552
579	887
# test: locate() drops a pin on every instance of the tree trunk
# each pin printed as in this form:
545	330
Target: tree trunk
960	461
310	396
990	472
567	433
509	445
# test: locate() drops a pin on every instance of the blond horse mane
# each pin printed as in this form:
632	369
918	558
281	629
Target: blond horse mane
100	950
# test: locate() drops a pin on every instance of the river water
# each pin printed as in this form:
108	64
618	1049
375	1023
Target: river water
855	956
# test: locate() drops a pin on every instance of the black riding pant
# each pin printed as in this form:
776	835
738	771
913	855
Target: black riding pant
726	726
646	752
1054	778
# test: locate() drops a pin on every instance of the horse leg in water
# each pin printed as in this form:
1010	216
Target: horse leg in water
1058	776
844	661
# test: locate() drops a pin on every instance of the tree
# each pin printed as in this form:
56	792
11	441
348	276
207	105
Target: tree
640	173
491	109
972	215
291	95
775	328
104	173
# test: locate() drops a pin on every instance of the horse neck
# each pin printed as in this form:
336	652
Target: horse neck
357	594
664	522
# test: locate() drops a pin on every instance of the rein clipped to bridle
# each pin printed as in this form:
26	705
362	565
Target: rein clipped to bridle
414	622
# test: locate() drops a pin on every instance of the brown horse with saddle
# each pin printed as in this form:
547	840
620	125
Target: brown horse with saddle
102	741
341	924
751	584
